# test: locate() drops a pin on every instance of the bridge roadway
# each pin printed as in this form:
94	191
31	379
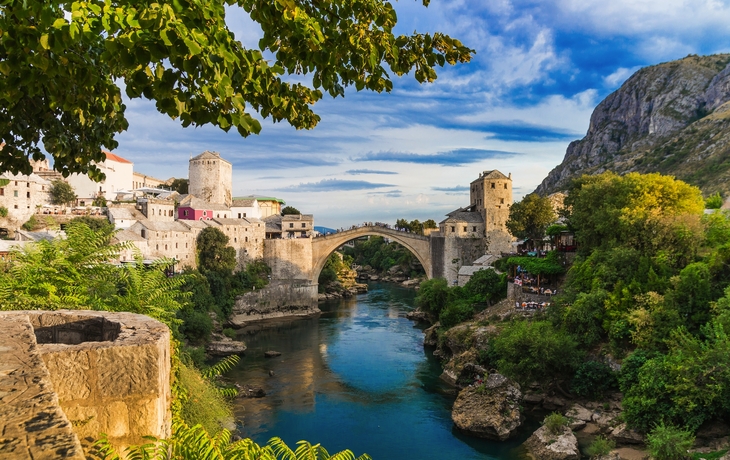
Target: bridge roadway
323	246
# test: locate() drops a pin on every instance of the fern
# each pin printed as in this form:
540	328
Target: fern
221	367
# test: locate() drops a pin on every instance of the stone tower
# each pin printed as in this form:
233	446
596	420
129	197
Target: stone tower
211	178
491	194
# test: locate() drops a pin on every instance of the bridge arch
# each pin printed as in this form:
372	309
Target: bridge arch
323	246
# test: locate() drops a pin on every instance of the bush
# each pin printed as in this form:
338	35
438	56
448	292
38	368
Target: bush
432	295
3	211
230	333
456	313
667	442
196	325
629	374
555	423
535	351
600	446
593	379
202	402
31	224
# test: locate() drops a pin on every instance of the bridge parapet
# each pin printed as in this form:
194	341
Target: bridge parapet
366	229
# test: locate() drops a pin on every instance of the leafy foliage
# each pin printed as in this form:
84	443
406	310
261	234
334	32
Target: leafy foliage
667	442
380	255
194	443
180	186
214	254
433	295
61	193
600	447
31	224
593	379
529	218
534	351
455	313
61	62
713	201
555	423
3	211
289	210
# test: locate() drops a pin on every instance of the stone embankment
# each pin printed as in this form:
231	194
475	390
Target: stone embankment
277	300
396	274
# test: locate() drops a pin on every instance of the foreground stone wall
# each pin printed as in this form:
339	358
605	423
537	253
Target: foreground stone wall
110	372
289	258
277	300
32	424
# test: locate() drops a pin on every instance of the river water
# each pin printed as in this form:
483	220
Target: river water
357	377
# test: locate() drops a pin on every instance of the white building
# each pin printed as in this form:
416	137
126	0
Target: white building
119	176
243	208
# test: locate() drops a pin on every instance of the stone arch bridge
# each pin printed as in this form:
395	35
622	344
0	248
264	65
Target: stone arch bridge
421	246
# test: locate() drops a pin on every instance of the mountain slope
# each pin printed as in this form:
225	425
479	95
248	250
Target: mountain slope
672	118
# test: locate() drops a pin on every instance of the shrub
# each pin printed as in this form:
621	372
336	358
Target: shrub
555	423
202	402
432	295
600	446
196	325
593	379
667	442
456	313
230	333
713	201
3	211
629	374
31	224
534	351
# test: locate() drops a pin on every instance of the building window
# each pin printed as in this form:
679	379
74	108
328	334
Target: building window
16	206
16	182
239	215
501	200
291	225
235	240
453	229
157	247
144	233
492	184
304	233
175	245
186	245
27	184
505	186
165	247
465	229
244	214
205	213
246	240
304	225
2	192
15	193
185	213
474	229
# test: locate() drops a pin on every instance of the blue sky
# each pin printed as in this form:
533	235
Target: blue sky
540	68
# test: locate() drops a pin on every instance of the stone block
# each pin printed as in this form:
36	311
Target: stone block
116	419
123	371
68	372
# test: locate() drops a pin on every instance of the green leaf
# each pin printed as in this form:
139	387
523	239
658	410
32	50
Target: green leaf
44	41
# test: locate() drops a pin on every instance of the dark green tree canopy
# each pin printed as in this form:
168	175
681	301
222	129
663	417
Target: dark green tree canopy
290	210
62	193
529	218
60	62
180	186
214	254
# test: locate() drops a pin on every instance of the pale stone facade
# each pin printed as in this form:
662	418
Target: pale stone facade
167	239
119	172
140	180
211	178
491	194
246	236
289	258
154	209
463	223
21	195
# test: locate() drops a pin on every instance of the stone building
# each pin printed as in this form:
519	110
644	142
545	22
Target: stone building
140	180
491	195
123	216
246	236
21	195
463	223
119	172
289	226
267	205
194	208
242	208
167	239
211	178
156	209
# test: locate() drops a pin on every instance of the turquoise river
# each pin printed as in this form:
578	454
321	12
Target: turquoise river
356	377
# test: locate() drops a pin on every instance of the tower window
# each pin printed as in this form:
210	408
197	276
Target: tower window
501	200
492	184
505	186
465	229
453	229
474	229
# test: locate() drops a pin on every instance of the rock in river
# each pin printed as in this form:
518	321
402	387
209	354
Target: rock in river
544	445
490	410
271	354
225	347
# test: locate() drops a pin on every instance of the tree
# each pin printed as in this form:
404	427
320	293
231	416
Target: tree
290	210
529	218
180	186
214	254
430	223
60	62
62	193
643	211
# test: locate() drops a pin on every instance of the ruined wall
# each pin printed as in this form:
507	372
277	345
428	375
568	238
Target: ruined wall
289	258
277	300
110	372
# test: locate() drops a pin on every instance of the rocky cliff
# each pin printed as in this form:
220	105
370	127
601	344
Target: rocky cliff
672	118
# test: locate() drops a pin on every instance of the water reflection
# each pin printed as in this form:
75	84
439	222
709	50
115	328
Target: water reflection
355	377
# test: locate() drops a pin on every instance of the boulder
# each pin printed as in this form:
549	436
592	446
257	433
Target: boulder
578	412
431	336
249	391
553	403
462	370
533	398
225	347
490	410
544	445
271	354
623	435
418	315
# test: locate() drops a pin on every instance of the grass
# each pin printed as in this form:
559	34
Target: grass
709	456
